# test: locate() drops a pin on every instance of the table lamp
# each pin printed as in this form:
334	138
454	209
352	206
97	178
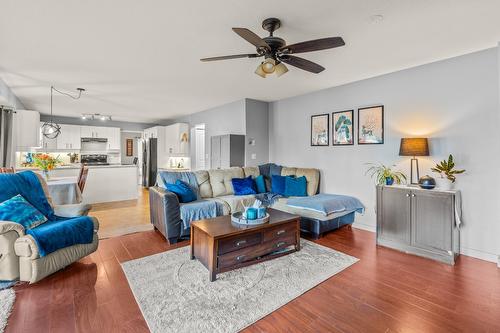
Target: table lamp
414	147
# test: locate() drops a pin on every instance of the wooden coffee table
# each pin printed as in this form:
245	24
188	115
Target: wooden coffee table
222	245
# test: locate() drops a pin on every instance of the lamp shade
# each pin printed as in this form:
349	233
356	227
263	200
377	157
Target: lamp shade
414	147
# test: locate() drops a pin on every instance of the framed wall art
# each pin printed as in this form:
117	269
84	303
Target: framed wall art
320	130
342	128
371	125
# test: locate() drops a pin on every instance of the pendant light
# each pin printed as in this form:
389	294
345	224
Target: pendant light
51	129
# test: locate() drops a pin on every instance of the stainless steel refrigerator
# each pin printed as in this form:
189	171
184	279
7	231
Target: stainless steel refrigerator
149	162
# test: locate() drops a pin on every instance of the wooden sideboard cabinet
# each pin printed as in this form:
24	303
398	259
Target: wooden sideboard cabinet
418	221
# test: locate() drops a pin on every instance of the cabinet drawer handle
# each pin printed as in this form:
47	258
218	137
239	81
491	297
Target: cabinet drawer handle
280	232
280	244
240	258
241	242
413	195
407	195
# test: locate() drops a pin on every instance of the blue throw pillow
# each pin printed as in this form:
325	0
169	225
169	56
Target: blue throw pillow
243	186
278	184
183	191
261	184
17	209
296	187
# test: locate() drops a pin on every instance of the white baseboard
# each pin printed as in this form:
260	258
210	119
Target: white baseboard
480	255
465	251
363	226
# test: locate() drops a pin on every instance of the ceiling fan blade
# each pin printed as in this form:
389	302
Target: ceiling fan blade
252	38
302	64
235	56
314	45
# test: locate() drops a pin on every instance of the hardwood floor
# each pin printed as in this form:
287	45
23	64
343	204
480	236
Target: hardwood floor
386	291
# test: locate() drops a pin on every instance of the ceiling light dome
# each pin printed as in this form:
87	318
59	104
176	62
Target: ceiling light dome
268	66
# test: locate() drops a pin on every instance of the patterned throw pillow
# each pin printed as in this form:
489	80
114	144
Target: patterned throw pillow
17	209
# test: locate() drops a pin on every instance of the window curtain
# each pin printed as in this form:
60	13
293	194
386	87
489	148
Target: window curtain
6	137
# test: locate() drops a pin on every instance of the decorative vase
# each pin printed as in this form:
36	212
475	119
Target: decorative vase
389	180
45	174
427	182
444	184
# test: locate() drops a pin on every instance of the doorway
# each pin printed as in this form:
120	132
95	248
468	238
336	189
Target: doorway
198	147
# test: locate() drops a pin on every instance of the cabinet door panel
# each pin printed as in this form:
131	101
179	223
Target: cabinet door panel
432	220
394	222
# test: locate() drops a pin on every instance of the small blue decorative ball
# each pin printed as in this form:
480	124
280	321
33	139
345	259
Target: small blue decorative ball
427	182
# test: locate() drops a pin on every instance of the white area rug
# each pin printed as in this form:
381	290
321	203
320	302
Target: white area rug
7	297
175	294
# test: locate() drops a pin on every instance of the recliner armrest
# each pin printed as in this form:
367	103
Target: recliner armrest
72	210
6	226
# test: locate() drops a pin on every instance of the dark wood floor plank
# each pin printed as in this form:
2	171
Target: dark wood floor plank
386	291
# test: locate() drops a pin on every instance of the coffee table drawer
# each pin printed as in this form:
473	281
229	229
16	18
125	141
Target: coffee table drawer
279	232
250	253
239	242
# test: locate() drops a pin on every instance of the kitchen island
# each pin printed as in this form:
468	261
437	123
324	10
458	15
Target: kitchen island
105	183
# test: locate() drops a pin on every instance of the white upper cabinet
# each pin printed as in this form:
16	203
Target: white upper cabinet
177	139
94	132
114	138
70	137
46	144
26	129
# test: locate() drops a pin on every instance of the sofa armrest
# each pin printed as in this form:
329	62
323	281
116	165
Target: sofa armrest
165	212
6	226
25	246
72	210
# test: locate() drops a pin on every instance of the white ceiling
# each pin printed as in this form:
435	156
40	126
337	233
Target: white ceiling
139	60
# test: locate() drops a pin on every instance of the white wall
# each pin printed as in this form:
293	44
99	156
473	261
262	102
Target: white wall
453	102
7	97
225	119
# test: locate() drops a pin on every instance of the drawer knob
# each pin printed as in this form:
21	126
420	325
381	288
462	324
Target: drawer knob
280	244
407	195
413	195
280	232
240	258
241	242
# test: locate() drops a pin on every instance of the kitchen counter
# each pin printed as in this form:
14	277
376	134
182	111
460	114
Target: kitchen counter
78	166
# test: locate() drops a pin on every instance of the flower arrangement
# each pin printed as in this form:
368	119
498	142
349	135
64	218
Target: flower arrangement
45	162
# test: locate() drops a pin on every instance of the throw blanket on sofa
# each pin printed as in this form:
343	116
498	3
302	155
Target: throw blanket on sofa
198	210
327	203
170	177
57	232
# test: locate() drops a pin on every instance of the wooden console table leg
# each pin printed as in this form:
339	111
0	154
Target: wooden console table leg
212	258
192	243
297	244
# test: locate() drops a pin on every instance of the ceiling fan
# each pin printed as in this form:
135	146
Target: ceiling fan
276	52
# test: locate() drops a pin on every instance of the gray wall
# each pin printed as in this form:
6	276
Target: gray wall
129	135
224	119
7	97
453	102
257	129
87	122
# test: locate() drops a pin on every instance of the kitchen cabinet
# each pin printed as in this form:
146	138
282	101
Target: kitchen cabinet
114	138
46	144
417	221
152	132
26	129
70	137
94	132
177	139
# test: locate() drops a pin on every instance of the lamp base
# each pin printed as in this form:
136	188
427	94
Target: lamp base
413	181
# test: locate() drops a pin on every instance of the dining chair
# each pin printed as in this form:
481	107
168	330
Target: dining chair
82	177
7	170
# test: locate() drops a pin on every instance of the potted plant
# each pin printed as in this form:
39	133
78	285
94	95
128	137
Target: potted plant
446	170
45	163
385	175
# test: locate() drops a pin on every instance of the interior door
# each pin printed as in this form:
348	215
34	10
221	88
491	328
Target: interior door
432	220
394	219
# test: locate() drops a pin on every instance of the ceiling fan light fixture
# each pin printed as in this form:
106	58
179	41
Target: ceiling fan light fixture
268	66
280	69
260	71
